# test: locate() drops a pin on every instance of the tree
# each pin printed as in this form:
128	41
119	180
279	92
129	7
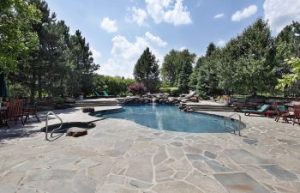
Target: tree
195	74
289	79
247	65
82	66
287	47
185	62
170	68
16	35
146	70
177	68
62	65
256	63
207	82
210	49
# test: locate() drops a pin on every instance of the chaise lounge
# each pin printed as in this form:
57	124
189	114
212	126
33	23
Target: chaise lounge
260	111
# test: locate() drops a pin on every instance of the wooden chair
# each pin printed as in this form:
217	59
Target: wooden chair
3	116
15	110
280	109
296	115
30	111
289	114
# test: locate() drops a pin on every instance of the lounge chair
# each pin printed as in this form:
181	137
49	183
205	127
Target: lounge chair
261	111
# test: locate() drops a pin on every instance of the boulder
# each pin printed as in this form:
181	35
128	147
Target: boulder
184	100
193	99
76	132
88	110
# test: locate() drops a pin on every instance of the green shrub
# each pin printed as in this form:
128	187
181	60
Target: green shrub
172	91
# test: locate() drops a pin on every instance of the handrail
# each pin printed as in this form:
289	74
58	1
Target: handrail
240	122
53	130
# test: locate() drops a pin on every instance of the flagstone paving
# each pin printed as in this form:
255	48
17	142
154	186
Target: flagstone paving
120	156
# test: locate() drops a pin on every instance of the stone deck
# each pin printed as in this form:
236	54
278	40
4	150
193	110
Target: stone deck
120	156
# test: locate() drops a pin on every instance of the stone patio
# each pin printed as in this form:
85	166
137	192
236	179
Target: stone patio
120	156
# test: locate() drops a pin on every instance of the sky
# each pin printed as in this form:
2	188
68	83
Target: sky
118	31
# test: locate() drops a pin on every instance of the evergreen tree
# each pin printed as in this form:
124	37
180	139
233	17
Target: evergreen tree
210	49
207	82
62	65
146	71
170	68
185	69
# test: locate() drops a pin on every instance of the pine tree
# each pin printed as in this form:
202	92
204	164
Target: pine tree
146	71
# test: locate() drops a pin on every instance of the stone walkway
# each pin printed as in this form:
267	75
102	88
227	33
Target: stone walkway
120	156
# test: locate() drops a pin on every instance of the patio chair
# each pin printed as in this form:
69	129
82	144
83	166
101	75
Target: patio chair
296	116
3	116
29	110
284	113
15	110
261	111
289	114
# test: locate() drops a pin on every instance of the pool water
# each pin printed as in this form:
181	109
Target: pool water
168	117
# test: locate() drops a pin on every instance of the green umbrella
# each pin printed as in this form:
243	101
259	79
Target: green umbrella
3	89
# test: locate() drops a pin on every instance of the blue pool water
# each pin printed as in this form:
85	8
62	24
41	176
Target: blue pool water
167	117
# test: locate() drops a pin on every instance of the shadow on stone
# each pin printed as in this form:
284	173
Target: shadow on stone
68	125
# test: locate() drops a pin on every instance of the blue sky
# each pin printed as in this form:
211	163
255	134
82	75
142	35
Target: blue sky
119	31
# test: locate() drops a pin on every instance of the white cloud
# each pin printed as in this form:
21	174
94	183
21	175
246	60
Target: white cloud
182	48
245	13
125	53
138	16
221	43
169	11
109	25
96	54
156	40
280	13
218	16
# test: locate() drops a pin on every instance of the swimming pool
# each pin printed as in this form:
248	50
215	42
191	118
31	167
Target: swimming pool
169	117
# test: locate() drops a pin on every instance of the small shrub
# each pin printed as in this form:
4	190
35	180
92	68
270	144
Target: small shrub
137	88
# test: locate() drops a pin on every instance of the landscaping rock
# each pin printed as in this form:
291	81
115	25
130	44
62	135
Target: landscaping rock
150	98
76	132
88	110
193	99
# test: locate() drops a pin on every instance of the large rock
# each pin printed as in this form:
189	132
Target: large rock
193	99
76	132
88	110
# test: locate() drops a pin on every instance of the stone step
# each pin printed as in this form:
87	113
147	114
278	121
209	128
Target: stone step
95	103
210	108
216	110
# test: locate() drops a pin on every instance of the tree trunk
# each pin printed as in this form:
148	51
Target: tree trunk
40	86
33	87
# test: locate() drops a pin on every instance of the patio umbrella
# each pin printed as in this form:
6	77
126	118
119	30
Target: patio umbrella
3	89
